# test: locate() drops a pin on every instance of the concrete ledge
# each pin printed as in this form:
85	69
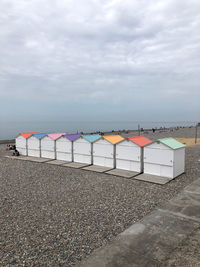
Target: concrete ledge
152	178
35	159
13	157
58	162
123	173
75	165
18	157
150	241
96	168
26	158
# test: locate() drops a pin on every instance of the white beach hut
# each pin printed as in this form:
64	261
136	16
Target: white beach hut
164	157
129	153
83	148
34	144
104	150
48	145
64	147
21	142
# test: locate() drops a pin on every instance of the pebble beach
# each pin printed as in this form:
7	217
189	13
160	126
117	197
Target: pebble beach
57	216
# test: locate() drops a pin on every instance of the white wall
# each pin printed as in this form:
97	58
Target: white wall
63	149
21	145
33	147
128	156
179	161
158	160
82	151
48	148
103	153
159	155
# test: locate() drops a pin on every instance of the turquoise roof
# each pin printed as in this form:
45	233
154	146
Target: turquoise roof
91	137
171	142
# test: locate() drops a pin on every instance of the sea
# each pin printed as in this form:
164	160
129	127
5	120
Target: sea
10	129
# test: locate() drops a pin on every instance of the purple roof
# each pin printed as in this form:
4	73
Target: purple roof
72	137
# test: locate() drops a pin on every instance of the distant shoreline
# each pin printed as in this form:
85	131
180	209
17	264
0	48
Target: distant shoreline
126	132
7	141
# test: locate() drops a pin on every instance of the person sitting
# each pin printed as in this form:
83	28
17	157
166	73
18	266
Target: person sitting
11	147
8	147
16	153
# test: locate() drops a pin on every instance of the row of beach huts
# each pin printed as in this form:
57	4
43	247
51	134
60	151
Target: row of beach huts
163	157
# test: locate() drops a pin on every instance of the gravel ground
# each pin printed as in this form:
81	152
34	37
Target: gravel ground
56	216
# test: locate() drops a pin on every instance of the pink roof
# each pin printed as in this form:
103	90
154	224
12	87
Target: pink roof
55	136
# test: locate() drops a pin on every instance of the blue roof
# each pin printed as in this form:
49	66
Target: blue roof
91	137
40	135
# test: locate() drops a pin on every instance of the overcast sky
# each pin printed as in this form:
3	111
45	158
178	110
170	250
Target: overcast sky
100	60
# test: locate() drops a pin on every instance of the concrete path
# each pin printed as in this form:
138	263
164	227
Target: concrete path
151	241
187	254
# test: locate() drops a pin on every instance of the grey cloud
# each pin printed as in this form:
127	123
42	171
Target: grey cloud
95	50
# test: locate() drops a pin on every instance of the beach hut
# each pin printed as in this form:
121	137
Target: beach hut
21	142
164	157
104	150
34	144
64	147
83	147
129	153
48	145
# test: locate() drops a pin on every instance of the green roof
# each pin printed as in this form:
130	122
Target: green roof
171	142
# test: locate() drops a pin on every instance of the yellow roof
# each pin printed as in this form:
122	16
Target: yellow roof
113	139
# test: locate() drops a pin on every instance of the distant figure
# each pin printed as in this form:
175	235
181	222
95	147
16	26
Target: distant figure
153	130
16	153
11	147
142	130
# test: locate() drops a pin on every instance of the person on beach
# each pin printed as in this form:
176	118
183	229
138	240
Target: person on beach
11	147
8	147
16	153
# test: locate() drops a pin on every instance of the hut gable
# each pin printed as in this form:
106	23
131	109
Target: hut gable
171	142
72	137
91	137
139	140
113	139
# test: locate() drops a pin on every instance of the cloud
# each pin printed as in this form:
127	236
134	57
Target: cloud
100	51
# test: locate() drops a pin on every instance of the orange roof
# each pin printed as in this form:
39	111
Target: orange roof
26	135
139	140
113	139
